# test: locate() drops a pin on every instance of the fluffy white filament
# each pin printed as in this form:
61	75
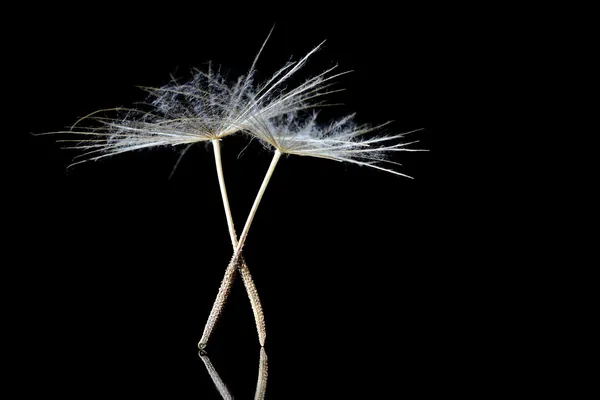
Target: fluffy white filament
341	140
208	107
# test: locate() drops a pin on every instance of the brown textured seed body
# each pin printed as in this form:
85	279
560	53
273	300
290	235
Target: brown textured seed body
259	316
224	290
218	305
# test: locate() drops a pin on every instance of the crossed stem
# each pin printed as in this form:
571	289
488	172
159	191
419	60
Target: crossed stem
237	261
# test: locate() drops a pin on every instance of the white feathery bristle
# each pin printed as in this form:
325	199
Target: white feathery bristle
341	140
207	107
210	107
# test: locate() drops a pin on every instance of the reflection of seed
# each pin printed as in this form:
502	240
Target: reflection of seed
218	382
261	384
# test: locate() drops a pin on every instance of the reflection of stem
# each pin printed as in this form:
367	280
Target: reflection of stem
261	383
236	262
221	387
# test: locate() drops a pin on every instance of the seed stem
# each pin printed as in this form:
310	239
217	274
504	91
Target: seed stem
229	277
259	196
224	197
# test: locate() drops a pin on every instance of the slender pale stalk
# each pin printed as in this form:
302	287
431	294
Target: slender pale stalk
261	192
235	261
229	277
224	197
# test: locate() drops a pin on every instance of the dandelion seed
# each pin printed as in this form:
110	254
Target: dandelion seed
206	108
269	101
341	141
292	132
209	107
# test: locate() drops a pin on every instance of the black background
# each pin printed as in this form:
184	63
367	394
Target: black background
369	281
